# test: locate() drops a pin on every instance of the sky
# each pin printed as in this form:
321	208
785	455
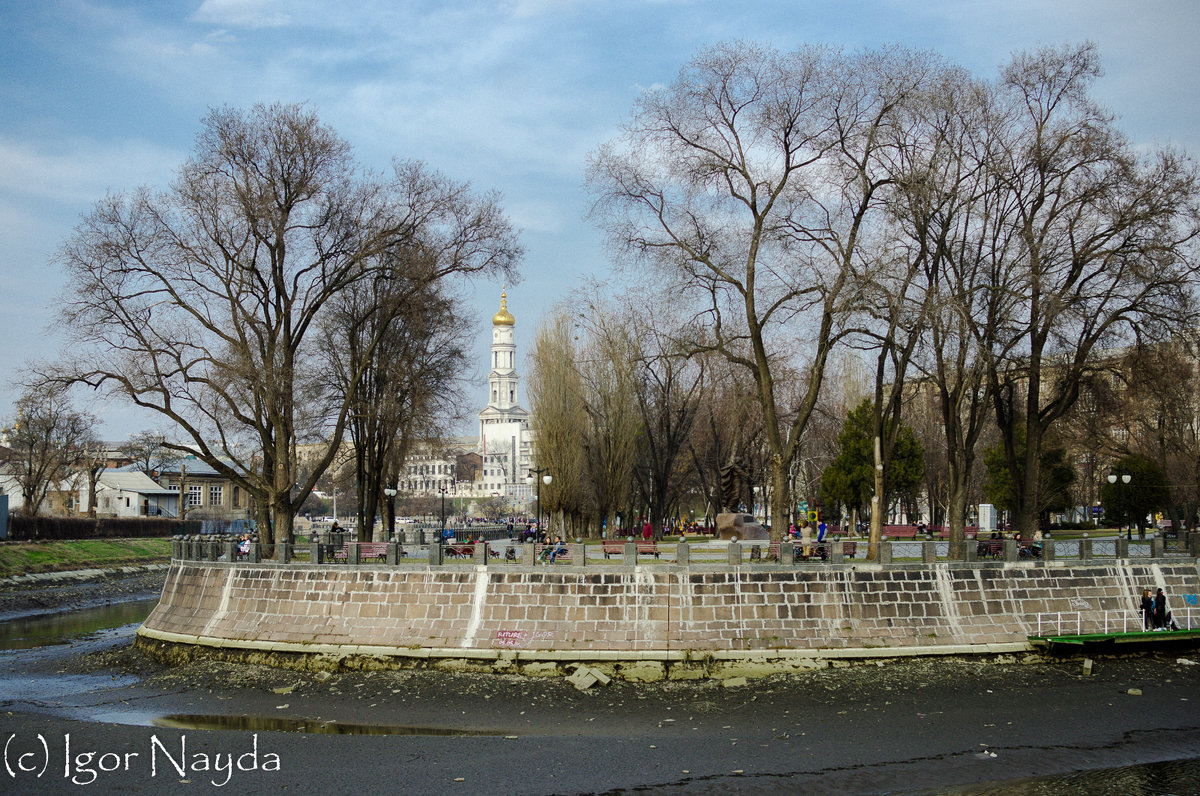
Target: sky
100	96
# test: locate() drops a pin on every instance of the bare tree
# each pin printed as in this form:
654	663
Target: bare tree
752	180
945	207
667	389
198	303
144	449
558	413
45	440
607	370
1103	248
408	374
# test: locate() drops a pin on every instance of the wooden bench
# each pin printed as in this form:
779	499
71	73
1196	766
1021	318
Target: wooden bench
613	547
648	548
365	550
989	548
542	553
616	547
822	550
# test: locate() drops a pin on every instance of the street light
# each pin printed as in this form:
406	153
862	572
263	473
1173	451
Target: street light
391	496
442	529
544	472
1125	479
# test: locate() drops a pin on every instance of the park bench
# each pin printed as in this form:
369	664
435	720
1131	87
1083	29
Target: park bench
616	547
542	553
989	548
376	550
648	548
613	547
467	550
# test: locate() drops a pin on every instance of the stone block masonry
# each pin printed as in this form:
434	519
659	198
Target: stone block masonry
658	612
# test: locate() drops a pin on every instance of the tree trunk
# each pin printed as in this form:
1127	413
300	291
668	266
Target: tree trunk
957	511
876	506
780	500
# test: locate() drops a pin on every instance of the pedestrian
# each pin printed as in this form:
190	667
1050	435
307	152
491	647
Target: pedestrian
647	531
805	539
1147	610
1162	617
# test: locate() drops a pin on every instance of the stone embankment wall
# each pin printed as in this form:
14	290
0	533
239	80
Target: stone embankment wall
650	613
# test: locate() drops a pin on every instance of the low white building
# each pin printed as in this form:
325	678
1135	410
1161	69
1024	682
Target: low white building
131	494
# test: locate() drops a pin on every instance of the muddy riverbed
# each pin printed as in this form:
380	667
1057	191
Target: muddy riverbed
920	726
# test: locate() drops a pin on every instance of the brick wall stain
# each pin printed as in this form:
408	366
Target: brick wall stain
642	609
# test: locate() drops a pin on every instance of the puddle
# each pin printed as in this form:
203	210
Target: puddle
311	726
61	628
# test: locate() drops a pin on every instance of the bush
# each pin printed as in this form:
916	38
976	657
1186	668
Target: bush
30	528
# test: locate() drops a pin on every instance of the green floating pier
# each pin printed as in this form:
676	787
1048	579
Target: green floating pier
1143	639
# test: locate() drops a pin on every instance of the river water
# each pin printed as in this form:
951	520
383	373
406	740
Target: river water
34	640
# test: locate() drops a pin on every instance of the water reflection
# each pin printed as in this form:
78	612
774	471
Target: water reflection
60	628
1178	777
273	724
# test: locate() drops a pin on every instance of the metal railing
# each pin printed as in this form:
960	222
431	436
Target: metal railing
423	544
1080	623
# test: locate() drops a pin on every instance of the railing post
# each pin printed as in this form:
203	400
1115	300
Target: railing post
735	554
285	552
683	554
787	553
629	554
435	553
1156	545
578	554
970	549
885	550
479	554
315	553
1085	548
838	555
393	553
255	552
230	550
928	552
1194	540
1010	550
1122	547
528	553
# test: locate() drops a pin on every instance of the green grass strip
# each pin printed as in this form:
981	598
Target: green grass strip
19	558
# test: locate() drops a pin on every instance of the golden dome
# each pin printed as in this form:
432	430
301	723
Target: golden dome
503	317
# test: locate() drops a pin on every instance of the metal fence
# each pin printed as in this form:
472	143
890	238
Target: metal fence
1079	623
427	544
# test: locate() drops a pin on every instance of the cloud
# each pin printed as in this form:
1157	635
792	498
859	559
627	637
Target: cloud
80	170
243	13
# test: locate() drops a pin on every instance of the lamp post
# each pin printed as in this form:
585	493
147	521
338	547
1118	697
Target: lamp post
544	473
391	496
1125	478
442	528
